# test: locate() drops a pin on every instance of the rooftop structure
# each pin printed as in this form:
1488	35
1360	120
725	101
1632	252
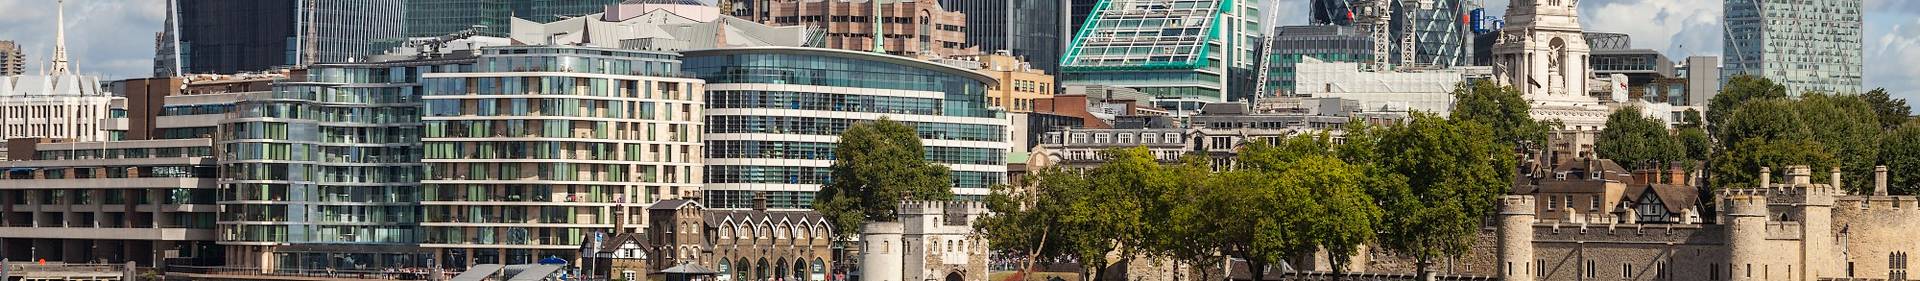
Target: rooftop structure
1325	43
1186	55
428	18
670	26
1402	92
910	28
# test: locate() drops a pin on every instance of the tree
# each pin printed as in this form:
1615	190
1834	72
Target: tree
1695	144
1636	141
1740	168
1025	213
1900	151
878	164
1892	112
1739	90
1502	109
1444	177
1847	127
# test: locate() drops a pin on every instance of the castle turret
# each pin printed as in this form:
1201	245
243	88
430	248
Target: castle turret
882	253
1516	237
1744	211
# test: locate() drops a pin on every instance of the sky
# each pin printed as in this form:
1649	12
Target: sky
114	38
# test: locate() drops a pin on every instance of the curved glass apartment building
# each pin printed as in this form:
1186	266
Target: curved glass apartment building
324	173
775	114
535	147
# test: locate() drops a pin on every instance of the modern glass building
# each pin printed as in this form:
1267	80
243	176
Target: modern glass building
428	18
231	36
1180	50
537	147
1029	28
775	113
1327	43
1812	45
1441	34
325	173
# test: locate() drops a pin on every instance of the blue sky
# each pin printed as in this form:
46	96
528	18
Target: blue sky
114	38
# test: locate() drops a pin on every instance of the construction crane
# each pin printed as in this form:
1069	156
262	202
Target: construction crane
1376	18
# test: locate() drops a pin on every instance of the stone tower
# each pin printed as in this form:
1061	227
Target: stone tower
1516	238
1744	211
1542	52
882	255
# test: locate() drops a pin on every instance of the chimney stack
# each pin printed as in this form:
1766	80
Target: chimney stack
1880	180
1766	177
1836	177
759	202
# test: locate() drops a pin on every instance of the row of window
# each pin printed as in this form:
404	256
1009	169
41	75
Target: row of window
531	193
324	174
560	150
609	130
171	196
124	153
312	152
321	113
824	151
518	214
561	107
560	85
834	126
109	220
332	234
111	172
824	102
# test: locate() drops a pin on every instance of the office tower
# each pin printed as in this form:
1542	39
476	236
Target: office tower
772	134
231	36
537	147
1184	58
1807	46
1440	28
911	28
1327	43
12	61
1031	29
135	202
323	172
430	18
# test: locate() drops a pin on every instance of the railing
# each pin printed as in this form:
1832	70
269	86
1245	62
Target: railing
391	274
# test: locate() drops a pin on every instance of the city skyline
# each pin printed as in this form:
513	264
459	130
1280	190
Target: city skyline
115	38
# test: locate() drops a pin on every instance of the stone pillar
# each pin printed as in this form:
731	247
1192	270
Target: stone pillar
1799	175
1835	178
1766	177
1879	180
882	253
1516	238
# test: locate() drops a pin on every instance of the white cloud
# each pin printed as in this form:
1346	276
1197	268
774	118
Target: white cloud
111	38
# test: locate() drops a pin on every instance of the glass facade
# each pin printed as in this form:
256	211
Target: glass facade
1029	28
333	160
226	37
536	147
1812	45
771	133
1327	43
1173	49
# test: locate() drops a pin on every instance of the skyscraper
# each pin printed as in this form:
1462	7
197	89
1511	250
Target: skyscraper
1812	45
1439	28
11	60
1029	28
229	36
1179	51
428	18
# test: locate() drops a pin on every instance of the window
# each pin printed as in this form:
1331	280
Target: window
1102	138
629	275
1173	138
1897	266
1149	137
1079	138
1552	202
1593	203
1626	271
1126	138
1592	271
1220	143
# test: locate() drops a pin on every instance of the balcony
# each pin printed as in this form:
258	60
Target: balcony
90	233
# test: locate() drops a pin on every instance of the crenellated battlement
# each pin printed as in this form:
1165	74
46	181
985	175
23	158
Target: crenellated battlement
924	207
1517	205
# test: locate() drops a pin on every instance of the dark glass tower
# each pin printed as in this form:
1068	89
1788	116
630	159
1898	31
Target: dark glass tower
426	18
228	36
1029	28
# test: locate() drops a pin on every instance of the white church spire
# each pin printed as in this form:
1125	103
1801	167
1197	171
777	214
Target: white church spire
60	40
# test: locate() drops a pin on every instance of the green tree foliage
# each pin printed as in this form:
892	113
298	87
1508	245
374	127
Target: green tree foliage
1739	90
1637	142
1900	151
1695	144
878	164
1891	111
1503	110
1028	214
1441	180
1847	127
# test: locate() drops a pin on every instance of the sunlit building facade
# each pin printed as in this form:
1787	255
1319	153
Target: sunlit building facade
536	147
1175	50
776	113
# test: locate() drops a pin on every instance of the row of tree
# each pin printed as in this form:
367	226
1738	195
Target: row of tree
1754	123
1420	188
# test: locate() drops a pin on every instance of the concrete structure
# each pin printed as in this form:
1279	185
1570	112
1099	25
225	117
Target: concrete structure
1540	52
1325	43
1806	45
519	165
773	135
1019	83
910	28
1386	92
182	107
932	240
1031	30
1086	148
1097	106
227	37
13	62
1199	52
118	202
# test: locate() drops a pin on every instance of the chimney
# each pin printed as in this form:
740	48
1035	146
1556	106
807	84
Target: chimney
1766	177
1880	180
759	202
1799	175
1835	177
619	220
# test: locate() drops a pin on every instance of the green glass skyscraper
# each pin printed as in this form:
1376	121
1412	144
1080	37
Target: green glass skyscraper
1812	45
1180	51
